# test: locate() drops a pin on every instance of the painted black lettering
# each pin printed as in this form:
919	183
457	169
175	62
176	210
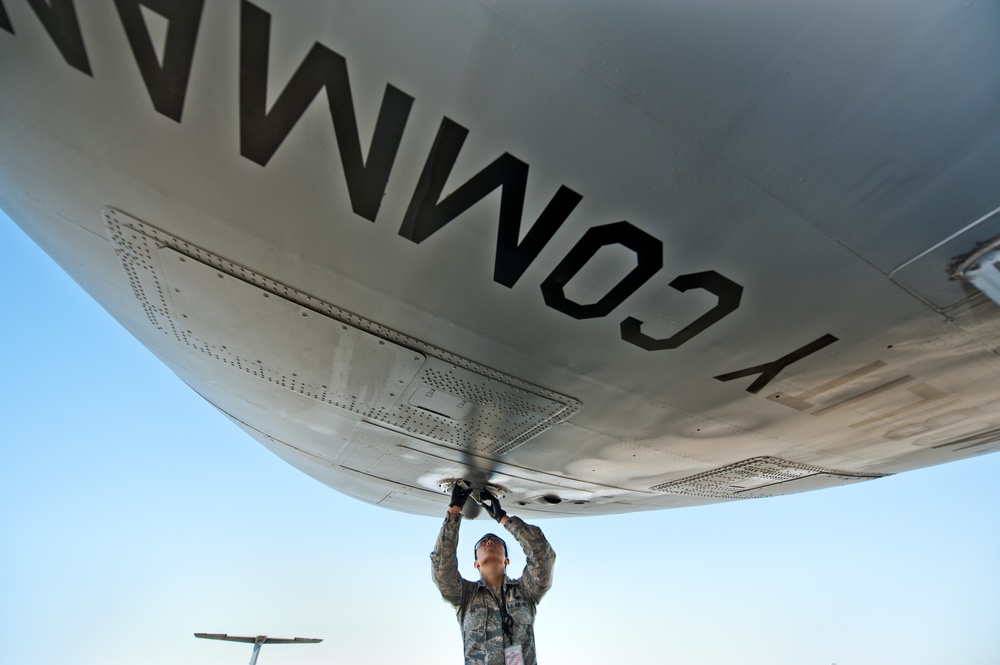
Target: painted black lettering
428	213
5	20
649	259
728	292
262	131
770	370
59	19
165	81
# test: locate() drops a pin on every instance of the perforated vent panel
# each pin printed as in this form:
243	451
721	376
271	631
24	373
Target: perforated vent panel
247	322
751	478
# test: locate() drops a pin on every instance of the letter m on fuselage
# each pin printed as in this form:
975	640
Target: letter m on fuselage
262	131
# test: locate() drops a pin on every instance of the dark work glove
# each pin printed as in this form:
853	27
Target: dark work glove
459	493
491	505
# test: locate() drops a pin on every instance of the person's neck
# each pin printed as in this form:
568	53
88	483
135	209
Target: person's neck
493	577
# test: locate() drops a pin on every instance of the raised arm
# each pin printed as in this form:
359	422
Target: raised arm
540	559
444	558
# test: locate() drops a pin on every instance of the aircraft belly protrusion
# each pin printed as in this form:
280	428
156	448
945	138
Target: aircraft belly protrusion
230	318
939	274
761	477
981	268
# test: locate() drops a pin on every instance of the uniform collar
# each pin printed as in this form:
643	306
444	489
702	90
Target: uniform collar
506	581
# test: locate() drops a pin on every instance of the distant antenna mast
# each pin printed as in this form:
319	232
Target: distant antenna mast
258	641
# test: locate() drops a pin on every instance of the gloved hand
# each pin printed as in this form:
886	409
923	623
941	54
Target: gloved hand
459	493
491	505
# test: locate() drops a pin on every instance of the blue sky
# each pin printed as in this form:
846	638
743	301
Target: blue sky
133	515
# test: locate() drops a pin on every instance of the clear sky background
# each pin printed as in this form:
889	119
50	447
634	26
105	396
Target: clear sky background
132	514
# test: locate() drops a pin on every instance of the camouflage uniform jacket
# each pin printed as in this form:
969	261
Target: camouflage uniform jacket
476	605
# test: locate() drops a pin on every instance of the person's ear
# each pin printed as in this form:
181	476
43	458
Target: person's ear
506	561
475	564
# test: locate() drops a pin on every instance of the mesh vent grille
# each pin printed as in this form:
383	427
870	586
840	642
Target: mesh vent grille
747	478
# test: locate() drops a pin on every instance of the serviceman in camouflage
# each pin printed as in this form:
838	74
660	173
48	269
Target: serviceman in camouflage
496	613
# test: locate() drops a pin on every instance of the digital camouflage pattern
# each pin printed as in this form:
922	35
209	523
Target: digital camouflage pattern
477	605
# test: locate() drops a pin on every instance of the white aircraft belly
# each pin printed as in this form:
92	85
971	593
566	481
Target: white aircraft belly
822	199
